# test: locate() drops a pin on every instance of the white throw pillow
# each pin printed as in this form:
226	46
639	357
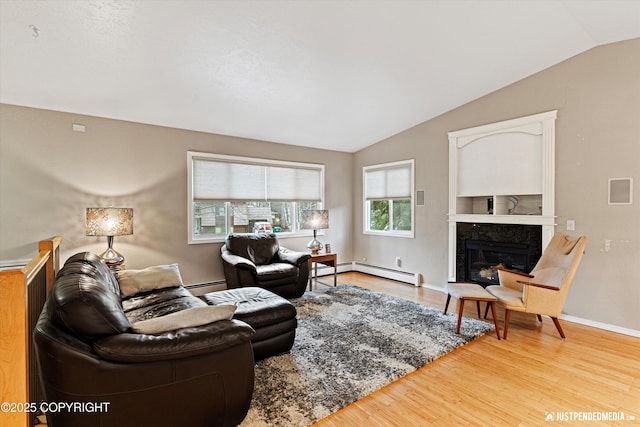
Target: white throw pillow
150	278
196	316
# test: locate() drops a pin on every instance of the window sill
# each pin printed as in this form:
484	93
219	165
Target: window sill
403	234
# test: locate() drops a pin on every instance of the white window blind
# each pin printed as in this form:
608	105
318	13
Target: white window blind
287	184
245	179
388	181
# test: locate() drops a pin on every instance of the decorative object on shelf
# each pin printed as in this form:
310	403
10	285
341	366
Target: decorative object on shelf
327	248
110	222
316	220
513	203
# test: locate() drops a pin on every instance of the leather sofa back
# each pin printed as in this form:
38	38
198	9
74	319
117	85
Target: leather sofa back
259	248
86	299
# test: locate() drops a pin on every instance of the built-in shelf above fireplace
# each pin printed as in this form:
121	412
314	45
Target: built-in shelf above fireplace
502	173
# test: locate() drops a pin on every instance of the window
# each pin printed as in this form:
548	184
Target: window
388	198
230	194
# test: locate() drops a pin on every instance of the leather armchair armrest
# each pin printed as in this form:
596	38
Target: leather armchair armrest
292	257
238	261
171	345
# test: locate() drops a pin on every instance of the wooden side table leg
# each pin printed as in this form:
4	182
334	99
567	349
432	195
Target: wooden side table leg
460	315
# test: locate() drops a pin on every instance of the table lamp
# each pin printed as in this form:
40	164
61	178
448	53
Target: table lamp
316	220
110	222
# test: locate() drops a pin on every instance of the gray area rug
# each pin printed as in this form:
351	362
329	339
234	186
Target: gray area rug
349	343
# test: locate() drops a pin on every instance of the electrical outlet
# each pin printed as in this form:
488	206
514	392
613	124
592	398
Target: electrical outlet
571	225
607	245
398	262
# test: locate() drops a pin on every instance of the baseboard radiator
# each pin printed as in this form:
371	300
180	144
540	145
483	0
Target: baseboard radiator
387	273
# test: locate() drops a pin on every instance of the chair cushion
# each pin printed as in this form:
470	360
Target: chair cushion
511	298
259	248
275	271
469	291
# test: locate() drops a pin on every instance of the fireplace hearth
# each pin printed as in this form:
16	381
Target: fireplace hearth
483	247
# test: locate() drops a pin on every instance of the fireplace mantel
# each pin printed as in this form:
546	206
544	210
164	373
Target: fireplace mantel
503	173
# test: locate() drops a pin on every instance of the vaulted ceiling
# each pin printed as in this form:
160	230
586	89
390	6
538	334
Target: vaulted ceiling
339	75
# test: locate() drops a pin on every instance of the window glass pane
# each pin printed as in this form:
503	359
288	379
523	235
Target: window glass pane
379	215
209	218
402	215
245	216
282	216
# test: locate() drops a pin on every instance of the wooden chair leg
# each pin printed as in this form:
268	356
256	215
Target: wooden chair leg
478	307
460	315
539	318
486	309
559	328
446	307
495	318
507	315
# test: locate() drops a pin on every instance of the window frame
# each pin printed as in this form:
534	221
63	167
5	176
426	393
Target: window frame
217	238
366	203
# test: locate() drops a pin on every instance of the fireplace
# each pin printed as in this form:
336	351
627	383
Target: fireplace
483	247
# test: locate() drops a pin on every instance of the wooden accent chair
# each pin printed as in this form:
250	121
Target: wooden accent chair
545	289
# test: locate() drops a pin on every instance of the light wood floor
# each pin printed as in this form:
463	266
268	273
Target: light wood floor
517	382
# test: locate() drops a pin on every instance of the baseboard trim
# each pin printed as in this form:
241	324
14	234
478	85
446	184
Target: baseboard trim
600	325
204	288
387	273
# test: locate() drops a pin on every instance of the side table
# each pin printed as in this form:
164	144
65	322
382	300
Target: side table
326	259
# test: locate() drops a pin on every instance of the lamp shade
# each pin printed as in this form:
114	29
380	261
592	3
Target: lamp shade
315	219
109	221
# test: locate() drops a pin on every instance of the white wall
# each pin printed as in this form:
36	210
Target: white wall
597	95
50	174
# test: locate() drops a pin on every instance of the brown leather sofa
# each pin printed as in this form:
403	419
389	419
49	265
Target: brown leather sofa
257	260
88	356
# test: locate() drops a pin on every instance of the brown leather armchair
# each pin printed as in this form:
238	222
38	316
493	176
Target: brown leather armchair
258	260
88	355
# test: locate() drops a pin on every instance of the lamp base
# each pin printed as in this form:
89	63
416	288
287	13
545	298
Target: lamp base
314	246
111	257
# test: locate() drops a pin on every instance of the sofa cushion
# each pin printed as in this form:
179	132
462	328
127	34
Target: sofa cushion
148	279
195	316
158	303
259	248
171	346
